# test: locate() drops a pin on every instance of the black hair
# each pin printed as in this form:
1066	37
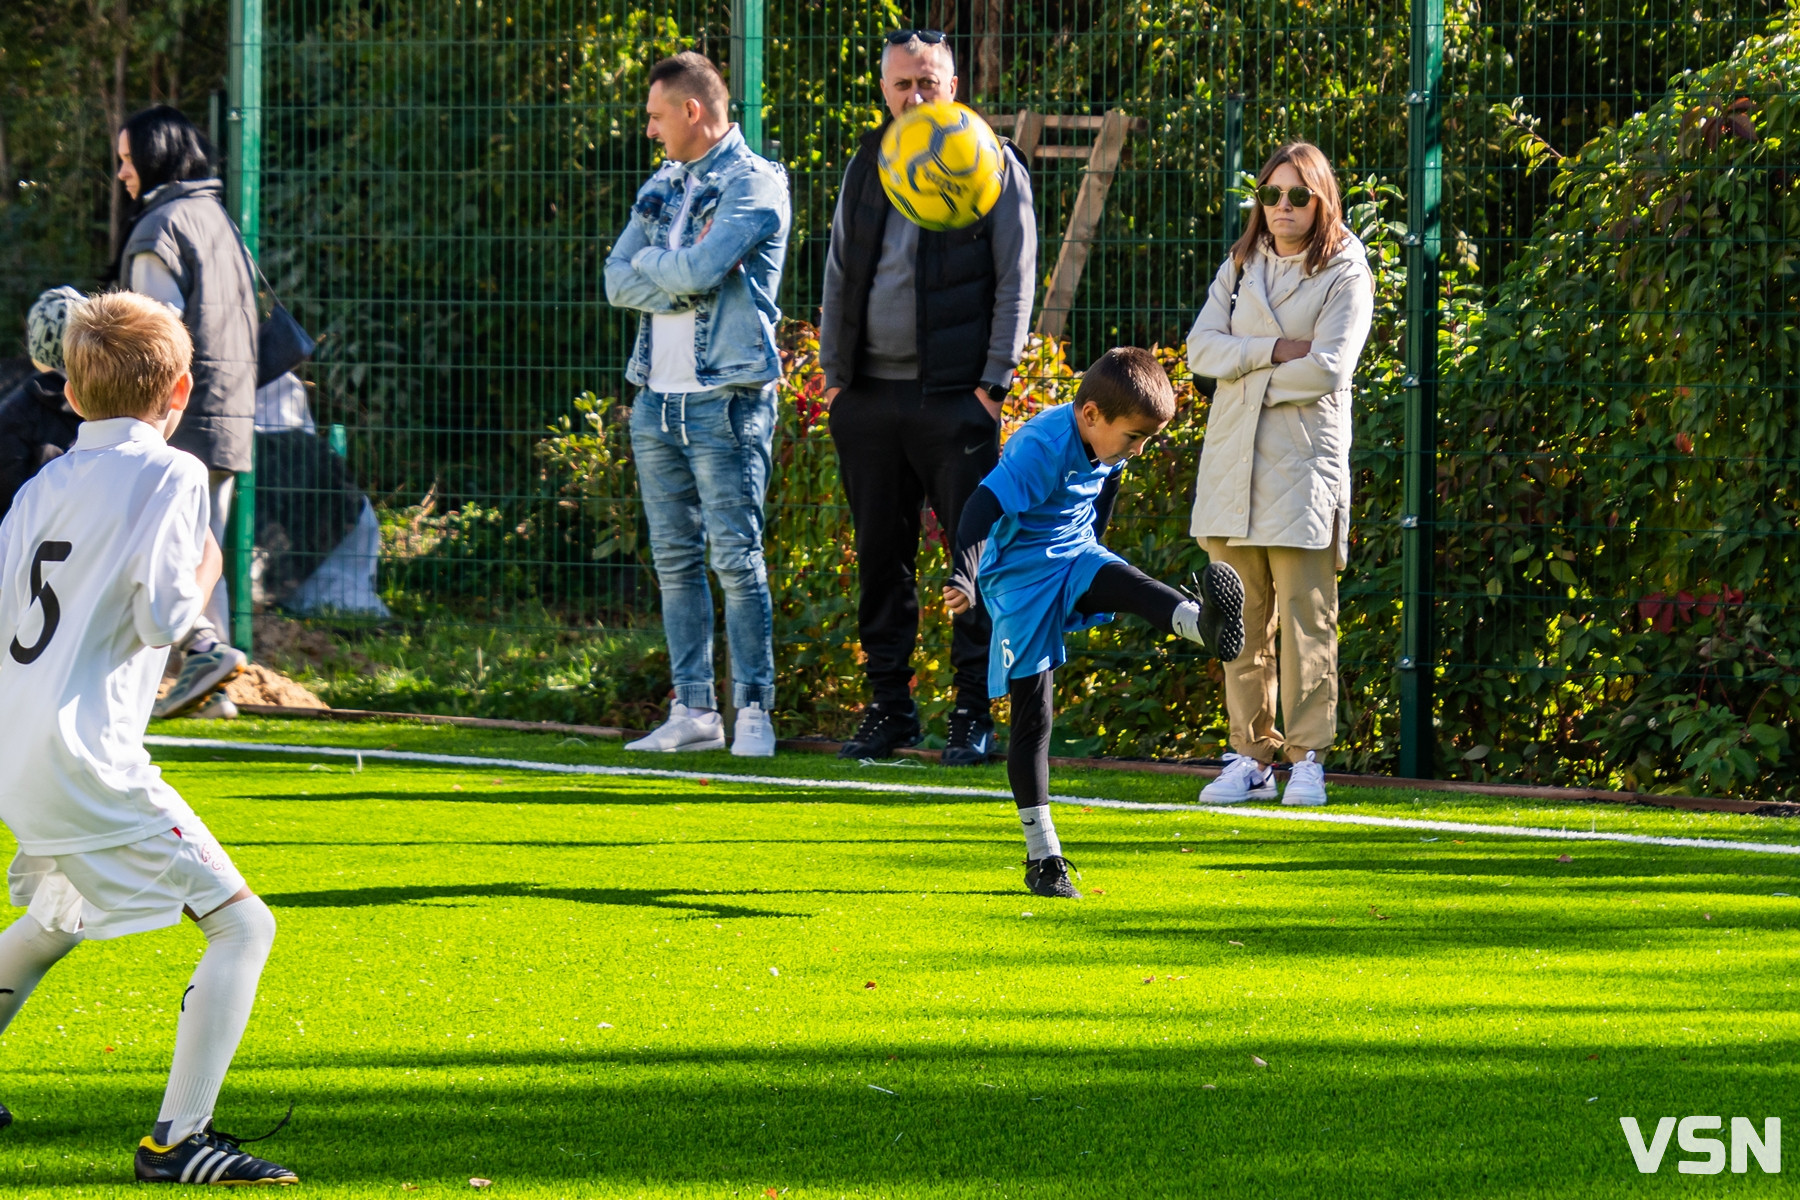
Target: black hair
167	148
1128	382
693	75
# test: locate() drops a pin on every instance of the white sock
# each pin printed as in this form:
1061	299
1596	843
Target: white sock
27	952
1187	620
1040	833
203	638
213	1015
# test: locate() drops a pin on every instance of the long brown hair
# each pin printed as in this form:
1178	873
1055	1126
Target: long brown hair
1328	234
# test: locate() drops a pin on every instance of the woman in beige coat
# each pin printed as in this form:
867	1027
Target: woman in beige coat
1273	495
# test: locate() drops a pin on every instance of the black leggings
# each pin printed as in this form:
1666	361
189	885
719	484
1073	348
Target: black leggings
1119	587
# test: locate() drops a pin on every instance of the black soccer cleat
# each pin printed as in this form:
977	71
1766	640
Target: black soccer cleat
971	738
884	729
1049	876
5	1116
209	1157
1222	610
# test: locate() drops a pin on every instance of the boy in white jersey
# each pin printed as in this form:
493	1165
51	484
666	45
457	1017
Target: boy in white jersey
105	559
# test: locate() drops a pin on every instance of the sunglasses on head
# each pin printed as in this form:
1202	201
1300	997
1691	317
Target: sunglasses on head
930	37
1268	195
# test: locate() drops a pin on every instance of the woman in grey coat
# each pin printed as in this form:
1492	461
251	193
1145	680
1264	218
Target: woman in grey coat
184	251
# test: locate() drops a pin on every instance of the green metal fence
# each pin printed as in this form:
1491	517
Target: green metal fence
440	183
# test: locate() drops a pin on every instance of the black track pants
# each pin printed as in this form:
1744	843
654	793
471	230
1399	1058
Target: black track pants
899	450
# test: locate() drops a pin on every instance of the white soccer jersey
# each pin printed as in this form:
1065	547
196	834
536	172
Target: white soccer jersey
97	578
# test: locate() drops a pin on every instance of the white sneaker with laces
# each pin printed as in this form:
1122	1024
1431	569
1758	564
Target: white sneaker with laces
754	734
1242	779
1306	782
686	729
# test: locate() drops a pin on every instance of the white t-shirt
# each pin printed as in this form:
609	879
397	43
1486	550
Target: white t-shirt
97	562
672	363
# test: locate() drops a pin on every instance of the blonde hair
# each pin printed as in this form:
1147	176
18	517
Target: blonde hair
1328	234
124	353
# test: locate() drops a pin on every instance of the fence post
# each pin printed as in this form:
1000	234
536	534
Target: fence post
1233	217
747	69
1424	195
245	121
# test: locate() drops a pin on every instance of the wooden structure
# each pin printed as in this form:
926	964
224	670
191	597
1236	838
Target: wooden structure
1102	157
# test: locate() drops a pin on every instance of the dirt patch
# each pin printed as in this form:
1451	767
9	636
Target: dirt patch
257	685
280	640
260	685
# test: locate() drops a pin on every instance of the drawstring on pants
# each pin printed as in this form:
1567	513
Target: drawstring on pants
665	417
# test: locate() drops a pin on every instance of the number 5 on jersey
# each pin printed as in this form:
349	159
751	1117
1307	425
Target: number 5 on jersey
42	595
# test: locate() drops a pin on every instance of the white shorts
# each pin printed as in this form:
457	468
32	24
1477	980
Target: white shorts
126	889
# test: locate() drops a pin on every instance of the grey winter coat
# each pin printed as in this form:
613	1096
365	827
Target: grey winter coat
186	226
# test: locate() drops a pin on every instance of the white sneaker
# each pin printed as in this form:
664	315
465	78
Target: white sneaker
216	707
754	734
1242	779
686	729
1306	782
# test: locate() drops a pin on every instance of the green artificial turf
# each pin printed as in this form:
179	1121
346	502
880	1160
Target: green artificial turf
586	986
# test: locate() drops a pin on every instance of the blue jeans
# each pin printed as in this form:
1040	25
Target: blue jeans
703	467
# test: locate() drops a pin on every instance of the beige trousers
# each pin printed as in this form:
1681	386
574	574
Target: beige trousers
1298	589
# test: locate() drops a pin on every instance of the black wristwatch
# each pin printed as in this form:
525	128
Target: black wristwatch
997	392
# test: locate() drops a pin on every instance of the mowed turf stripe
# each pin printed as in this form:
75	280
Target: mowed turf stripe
864	785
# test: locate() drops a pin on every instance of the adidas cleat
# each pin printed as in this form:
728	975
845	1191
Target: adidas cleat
1049	876
208	1157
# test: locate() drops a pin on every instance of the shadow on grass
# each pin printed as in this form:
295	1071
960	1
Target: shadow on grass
1324	1118
375	897
596	794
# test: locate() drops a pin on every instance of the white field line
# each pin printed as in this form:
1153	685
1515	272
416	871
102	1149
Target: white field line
864	785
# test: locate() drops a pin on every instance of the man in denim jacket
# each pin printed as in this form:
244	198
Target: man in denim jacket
700	259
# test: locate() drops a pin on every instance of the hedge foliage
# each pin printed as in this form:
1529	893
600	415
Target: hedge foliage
1616	557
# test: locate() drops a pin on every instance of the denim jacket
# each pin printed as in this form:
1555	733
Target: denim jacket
729	277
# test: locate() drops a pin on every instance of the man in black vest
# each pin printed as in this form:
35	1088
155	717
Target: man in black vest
919	335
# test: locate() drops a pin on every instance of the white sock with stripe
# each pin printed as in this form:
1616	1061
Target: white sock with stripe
213	1015
27	952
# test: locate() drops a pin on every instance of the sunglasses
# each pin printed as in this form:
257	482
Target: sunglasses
1269	196
930	37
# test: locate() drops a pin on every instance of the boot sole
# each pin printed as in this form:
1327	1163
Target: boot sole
855	750
207	689
1222	594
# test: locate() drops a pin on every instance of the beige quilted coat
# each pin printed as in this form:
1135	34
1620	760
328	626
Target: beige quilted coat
1275	467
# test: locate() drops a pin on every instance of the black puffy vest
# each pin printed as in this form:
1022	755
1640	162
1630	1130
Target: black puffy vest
955	270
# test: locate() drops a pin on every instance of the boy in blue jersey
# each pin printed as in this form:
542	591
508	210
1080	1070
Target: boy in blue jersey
1030	536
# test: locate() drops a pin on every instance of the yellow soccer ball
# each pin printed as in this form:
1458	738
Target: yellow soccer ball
942	166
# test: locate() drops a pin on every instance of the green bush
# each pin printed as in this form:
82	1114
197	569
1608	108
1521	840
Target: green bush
1620	502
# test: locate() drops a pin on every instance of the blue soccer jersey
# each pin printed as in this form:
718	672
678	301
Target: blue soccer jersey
1043	554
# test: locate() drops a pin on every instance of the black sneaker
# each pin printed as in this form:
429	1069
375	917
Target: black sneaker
1049	876
884	729
971	738
1221	596
209	1157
